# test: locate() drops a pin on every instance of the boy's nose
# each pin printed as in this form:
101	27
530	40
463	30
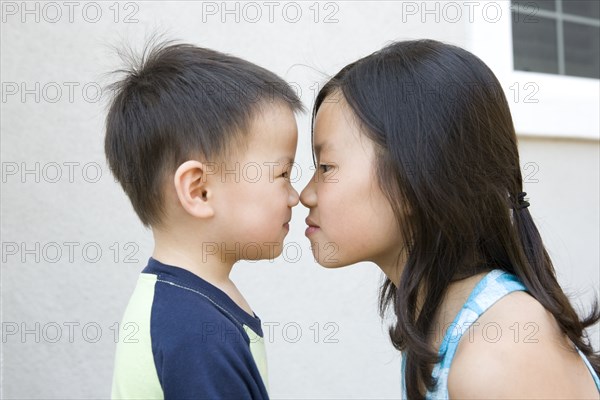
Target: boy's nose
308	197
293	198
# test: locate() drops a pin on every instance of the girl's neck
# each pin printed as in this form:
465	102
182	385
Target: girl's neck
457	292
392	266
455	297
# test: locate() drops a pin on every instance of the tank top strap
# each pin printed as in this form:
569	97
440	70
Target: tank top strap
492	287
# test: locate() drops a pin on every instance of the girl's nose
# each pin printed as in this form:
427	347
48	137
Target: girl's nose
308	197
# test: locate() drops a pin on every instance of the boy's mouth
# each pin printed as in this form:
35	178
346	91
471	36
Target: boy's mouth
287	224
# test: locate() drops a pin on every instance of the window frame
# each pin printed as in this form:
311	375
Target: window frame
544	105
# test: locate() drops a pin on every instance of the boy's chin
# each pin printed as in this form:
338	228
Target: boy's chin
263	251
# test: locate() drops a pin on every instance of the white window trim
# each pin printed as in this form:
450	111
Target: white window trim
567	107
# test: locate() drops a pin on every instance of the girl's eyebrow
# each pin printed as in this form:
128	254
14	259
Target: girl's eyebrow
322	146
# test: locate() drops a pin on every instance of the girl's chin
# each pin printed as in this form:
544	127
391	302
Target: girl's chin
327	255
333	266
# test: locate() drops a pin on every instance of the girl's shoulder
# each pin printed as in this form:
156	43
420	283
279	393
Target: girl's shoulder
517	349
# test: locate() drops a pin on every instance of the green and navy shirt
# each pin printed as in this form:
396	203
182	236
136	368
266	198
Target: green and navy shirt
183	338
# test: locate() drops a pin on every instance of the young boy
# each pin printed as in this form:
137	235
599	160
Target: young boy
202	144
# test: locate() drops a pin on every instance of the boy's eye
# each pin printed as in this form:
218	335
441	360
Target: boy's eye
324	167
286	174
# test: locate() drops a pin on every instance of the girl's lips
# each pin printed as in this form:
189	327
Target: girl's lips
310	230
309	222
286	226
312	227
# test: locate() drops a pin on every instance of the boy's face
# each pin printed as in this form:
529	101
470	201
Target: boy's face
355	220
258	197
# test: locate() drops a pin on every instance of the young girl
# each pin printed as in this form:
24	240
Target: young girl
418	172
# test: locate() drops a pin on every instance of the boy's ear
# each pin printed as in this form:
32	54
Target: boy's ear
193	189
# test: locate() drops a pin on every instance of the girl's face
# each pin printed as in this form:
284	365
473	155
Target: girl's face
350	219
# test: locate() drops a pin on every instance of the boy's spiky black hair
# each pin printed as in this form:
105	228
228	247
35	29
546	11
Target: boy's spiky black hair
176	102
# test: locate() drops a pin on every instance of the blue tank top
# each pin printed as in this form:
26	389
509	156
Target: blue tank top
494	285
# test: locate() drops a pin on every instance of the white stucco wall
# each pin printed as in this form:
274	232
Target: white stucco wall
356	360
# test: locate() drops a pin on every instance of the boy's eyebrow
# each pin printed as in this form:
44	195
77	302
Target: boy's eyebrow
288	160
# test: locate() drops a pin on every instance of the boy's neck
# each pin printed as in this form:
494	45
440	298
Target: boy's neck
192	257
186	250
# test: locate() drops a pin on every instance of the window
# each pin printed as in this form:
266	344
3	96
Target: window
557	37
545	104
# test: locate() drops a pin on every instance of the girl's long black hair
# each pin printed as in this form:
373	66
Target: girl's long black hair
449	164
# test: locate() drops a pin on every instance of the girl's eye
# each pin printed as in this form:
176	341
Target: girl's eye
285	174
324	167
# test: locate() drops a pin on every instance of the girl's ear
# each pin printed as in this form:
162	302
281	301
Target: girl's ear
193	189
